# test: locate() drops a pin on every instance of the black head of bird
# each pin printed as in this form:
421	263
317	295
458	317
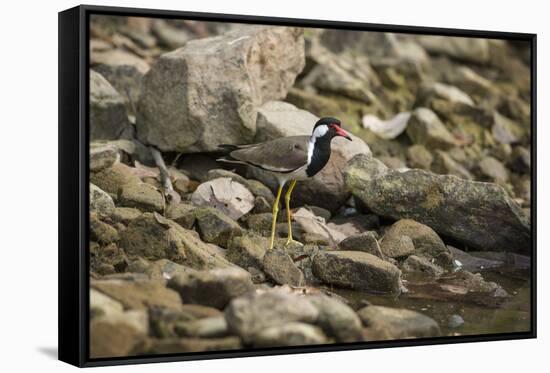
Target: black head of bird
329	128
289	158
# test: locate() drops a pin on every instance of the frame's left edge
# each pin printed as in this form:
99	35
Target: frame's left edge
70	250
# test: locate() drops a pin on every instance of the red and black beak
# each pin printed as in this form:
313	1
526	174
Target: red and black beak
341	132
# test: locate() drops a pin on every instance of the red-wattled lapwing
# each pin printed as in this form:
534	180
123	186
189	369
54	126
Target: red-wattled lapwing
290	158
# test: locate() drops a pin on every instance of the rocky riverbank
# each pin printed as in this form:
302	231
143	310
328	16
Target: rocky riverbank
427	208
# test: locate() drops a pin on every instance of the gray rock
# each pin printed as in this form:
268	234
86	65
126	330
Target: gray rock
310	223
142	196
436	91
337	319
474	50
455	321
510	259
473	263
153	237
396	246
461	286
425	128
397	323
349	75
181	213
125	215
153	346
124	71
505	130
357	270
444	164
493	170
419	264
184	104
163	270
108	118
163	321
107	259
228	196
214	288
100	231
122	339
471	82
376	45
254	186
326	189
215	227
366	242
247	250
520	160
419	157
113	178
100	201
138	295
478	214
291	334
208	327
261	223
423	240
102	156
169	36
280	267
249	315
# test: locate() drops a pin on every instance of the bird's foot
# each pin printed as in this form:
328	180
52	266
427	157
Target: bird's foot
291	242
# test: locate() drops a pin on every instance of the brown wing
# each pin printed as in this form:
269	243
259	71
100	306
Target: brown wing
285	154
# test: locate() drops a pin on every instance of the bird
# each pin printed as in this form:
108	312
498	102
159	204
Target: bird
288	159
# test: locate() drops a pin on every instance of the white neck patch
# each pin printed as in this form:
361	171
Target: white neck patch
320	131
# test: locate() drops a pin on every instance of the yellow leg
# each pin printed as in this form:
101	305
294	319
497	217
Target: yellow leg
288	214
274	219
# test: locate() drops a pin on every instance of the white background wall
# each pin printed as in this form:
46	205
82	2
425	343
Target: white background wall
28	184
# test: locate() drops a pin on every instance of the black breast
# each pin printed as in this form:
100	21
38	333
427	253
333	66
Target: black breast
319	158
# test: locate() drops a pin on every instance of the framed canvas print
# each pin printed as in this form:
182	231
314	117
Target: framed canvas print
239	186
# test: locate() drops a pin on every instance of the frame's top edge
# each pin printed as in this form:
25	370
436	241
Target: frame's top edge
111	10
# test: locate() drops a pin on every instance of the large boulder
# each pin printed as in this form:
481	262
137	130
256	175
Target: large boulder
207	92
357	270
108	118
481	215
326	189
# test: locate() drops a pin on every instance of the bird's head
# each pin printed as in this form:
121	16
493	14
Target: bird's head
328	128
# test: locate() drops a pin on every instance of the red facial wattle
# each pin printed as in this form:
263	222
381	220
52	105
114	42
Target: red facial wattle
341	132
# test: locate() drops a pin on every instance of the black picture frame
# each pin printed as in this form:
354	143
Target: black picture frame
74	183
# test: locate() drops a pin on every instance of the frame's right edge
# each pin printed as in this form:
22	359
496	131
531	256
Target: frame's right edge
534	185
69	250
